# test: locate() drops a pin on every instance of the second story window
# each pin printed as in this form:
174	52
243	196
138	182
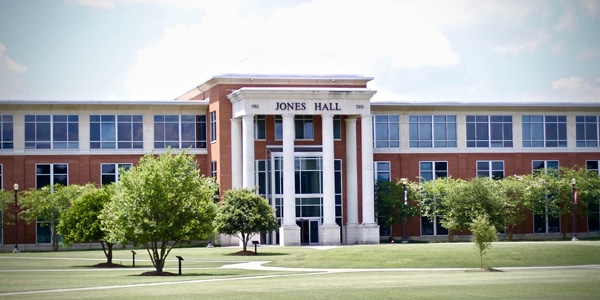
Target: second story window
110	172
179	131
51	131
544	131
304	127
493	169
386	131
213	126
6	132
587	128
437	131
260	127
116	132
489	131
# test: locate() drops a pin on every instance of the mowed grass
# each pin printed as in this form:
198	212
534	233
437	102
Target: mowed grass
70	275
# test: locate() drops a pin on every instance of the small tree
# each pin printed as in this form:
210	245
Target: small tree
159	203
389	202
484	234
80	223
47	205
243	214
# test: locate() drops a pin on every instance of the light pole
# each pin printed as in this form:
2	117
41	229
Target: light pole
404	240
574	202
16	188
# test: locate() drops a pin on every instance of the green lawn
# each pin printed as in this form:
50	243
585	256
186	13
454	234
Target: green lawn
69	275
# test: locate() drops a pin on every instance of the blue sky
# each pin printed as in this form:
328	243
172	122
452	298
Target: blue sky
454	50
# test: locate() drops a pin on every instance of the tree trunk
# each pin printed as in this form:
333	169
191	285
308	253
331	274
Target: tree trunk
107	248
53	237
509	232
160	263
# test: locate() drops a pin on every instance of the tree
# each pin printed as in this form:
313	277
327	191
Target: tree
80	223
484	234
243	213
159	203
460	201
518	200
389	202
47	206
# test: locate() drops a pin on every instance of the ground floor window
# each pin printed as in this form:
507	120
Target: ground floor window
594	211
545	222
432	227
431	170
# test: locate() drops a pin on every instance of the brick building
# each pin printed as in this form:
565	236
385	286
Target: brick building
312	145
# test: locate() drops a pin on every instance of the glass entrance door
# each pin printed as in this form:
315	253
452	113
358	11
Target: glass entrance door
309	231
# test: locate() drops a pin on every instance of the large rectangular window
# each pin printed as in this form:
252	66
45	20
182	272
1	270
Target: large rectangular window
179	131
431	170
382	171
587	131
304	126
47	175
116	132
437	131
489	131
51	131
594	210
386	131
544	131
493	169
213	126
6	132
545	222
260	127
110	172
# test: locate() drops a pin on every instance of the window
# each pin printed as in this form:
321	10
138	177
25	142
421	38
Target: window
213	126
545	222
493	169
431	170
116	132
337	127
489	131
179	131
1	212
260	177
110	172
51	132
6	132
386	131
304	127
587	128
544	131
382	171
260	127
213	169
427	131
47	175
594	210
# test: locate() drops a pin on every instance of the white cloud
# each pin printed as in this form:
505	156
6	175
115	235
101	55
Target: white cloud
570	83
103	4
567	22
316	37
577	89
527	45
10	83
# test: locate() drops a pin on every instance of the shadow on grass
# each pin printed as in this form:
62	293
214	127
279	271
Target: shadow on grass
251	253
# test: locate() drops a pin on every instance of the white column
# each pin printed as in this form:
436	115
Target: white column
289	232
351	172
370	229
248	151
328	171
289	189
236	153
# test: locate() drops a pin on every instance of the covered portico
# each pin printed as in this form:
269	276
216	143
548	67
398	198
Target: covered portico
353	103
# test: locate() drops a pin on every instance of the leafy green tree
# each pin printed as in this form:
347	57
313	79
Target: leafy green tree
48	205
80	223
243	214
159	203
518	200
484	234
389	202
459	201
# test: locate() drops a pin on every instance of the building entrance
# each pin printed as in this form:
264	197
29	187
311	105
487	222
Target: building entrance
309	231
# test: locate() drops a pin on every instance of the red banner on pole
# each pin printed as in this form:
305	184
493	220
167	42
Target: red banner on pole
575	196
